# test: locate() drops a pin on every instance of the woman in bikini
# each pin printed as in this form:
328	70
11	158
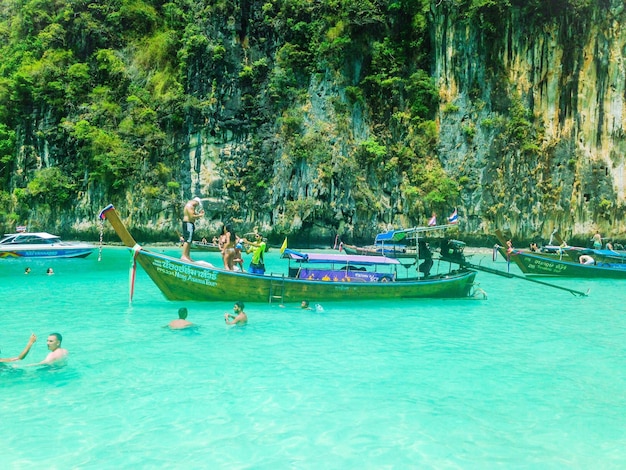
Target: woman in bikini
227	242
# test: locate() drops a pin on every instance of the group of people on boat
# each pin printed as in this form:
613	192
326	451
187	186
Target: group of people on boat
585	258
229	244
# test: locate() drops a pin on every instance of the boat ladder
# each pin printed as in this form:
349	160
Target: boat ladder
277	289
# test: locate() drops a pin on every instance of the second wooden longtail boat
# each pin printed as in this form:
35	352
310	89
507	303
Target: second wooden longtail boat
345	278
540	264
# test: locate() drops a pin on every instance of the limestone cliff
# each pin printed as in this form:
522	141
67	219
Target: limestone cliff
304	119
564	166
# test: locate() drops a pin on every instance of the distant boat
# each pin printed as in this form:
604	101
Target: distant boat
387	244
570	264
41	245
210	247
309	276
391	251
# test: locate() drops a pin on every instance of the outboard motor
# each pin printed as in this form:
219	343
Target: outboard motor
452	251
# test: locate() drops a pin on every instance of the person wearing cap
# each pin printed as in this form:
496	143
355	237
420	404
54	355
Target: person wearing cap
190	215
258	246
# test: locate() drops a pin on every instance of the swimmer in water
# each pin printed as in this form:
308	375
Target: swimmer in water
239	317
181	322
57	355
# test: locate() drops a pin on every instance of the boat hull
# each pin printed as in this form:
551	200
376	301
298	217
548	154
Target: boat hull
179	280
544	266
47	252
564	264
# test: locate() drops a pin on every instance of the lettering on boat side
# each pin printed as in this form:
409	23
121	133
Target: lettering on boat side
185	272
546	266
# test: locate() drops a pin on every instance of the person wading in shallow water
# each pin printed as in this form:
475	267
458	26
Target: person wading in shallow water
181	322
239	317
190	215
57	355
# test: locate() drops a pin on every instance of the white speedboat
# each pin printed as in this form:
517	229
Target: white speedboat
41	245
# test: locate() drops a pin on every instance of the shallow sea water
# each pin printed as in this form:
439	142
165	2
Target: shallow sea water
532	377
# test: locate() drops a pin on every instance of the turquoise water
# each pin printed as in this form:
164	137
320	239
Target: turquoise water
531	378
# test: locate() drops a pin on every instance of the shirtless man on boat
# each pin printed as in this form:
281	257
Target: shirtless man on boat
190	215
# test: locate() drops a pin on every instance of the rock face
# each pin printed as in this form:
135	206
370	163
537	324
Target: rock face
560	164
291	136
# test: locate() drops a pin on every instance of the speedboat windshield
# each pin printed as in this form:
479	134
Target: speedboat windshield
41	238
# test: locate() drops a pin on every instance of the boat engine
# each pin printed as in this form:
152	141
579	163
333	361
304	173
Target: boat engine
452	251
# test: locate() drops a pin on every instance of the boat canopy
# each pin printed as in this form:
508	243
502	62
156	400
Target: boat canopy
391	236
363	260
399	235
29	238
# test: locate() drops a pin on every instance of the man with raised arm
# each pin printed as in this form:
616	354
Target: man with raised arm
57	355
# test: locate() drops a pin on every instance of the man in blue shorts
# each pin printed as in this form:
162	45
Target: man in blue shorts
258	246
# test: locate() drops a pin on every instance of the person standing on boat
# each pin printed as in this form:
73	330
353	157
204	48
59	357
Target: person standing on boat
24	353
258	246
181	322
238	259
190	215
227	242
597	241
239	317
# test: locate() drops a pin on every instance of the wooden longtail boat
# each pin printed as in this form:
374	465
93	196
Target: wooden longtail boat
541	264
181	280
389	243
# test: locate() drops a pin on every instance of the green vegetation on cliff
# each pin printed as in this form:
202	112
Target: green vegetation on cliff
294	112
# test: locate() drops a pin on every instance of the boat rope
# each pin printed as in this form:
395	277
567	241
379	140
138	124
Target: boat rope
133	272
101	221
